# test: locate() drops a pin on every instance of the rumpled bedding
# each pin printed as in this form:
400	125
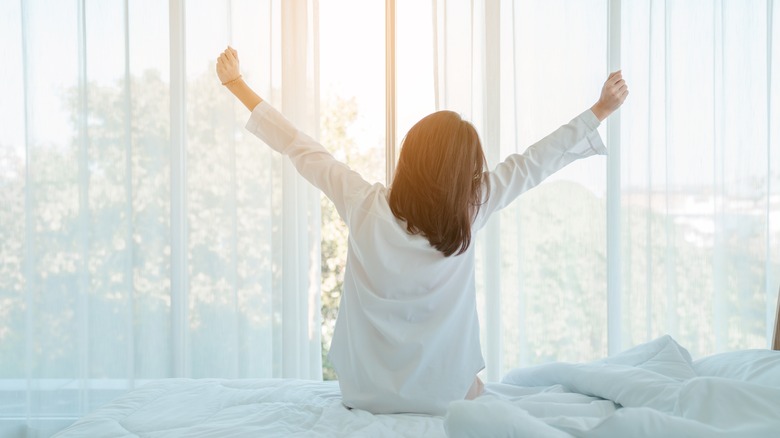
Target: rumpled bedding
652	390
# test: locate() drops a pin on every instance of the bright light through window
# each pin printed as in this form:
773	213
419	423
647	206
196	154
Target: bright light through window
352	124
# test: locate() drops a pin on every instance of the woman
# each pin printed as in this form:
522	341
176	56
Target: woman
407	334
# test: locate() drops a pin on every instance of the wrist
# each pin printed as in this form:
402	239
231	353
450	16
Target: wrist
233	81
235	84
599	111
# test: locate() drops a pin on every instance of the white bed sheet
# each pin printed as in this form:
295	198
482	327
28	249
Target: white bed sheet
243	408
654	389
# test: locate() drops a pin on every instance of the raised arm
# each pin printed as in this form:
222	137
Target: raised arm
337	181
574	140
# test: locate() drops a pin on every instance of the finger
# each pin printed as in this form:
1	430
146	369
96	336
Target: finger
229	55
231	52
613	74
615	79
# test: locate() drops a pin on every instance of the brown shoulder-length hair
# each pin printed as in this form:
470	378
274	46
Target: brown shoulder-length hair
438	184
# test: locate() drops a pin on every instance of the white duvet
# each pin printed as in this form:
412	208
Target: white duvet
649	391
653	390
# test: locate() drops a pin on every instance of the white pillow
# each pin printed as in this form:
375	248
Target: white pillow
662	355
761	367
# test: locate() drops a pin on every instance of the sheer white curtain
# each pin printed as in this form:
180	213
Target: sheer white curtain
696	185
700	172
144	234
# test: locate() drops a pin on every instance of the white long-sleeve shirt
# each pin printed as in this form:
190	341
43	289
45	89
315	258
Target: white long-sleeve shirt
407	333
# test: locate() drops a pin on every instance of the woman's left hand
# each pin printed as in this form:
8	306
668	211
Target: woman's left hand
613	94
227	66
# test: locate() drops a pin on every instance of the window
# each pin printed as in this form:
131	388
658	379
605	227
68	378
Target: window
354	109
352	126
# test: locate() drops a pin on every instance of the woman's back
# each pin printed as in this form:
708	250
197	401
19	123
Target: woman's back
407	334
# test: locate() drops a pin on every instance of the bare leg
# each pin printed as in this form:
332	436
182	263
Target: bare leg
476	389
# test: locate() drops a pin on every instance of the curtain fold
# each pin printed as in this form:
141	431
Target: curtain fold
145	234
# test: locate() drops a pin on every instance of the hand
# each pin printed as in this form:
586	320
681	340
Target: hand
230	76
227	66
613	94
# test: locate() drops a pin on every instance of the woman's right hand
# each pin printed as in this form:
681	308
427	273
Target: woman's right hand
227	66
613	94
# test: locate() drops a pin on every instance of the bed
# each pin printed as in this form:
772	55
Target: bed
654	389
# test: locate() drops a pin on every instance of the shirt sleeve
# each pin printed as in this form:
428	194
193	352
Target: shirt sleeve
336	180
520	172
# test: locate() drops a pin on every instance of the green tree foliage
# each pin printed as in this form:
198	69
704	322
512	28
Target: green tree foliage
336	118
553	260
